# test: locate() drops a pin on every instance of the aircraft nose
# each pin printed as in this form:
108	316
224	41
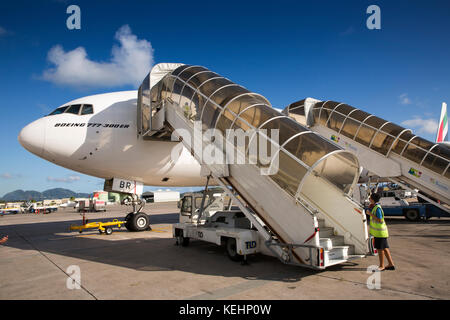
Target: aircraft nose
32	137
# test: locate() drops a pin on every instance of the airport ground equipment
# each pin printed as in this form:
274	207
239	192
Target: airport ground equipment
305	184
34	208
103	227
415	211
394	204
92	205
13	210
384	148
225	225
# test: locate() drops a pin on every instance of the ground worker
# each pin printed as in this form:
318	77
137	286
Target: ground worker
379	231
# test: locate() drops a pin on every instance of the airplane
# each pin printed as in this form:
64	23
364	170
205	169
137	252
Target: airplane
97	135
442	132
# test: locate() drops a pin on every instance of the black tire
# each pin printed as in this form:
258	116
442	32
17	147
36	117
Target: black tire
412	215
138	222
232	250
183	241
109	230
128	224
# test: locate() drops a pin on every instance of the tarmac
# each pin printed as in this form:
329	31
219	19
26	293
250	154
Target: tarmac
42	253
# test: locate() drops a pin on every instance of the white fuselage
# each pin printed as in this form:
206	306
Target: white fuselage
105	144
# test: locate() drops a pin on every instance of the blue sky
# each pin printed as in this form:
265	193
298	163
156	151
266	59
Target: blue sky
285	50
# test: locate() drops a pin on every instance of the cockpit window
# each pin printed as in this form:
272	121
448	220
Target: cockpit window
58	110
75	109
87	109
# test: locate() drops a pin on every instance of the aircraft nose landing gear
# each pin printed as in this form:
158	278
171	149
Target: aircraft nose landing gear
136	220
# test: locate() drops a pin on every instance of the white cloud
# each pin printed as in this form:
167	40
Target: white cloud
129	64
404	99
428	126
8	175
69	179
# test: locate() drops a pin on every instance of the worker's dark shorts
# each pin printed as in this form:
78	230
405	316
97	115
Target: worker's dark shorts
381	243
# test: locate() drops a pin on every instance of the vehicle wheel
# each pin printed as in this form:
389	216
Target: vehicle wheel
128	219
232	250
108	231
184	241
412	215
138	222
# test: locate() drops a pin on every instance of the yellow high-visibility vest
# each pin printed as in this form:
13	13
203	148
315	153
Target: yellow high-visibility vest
378	230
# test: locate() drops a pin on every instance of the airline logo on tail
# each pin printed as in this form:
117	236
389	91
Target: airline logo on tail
442	134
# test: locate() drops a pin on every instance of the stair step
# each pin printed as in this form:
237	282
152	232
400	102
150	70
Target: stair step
338	252
351	249
337	240
326	232
326	243
321	223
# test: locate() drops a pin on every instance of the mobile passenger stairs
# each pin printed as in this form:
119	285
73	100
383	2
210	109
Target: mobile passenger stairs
387	150
295	206
210	216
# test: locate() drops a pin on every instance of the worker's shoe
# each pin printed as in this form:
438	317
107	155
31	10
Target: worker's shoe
390	268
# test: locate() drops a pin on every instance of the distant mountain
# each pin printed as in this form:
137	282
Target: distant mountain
56	193
22	195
